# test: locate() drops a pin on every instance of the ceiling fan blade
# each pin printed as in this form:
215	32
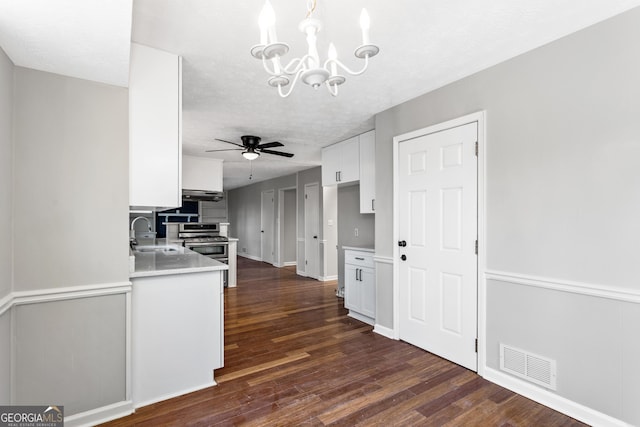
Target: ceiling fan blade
277	153
225	149
229	142
270	144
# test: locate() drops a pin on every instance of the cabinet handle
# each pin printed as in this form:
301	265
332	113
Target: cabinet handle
356	274
337	177
360	279
359	259
340	176
373	204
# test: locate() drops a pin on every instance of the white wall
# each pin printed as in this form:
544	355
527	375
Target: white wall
6	213
71	213
330	231
562	205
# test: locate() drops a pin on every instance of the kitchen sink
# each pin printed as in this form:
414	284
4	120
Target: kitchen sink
168	249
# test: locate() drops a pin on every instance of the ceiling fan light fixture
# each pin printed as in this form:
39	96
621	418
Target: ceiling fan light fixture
250	154
307	68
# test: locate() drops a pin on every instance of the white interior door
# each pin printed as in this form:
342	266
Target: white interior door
266	226
437	230
312	230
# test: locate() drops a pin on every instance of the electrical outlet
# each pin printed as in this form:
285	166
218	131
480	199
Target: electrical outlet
355	231
244	249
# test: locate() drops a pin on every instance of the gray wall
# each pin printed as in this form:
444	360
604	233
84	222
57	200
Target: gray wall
563	143
244	207
71	213
6	213
350	218
288	227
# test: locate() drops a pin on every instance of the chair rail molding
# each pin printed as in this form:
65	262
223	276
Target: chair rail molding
589	289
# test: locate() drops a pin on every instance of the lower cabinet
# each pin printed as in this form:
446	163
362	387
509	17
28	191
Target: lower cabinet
360	284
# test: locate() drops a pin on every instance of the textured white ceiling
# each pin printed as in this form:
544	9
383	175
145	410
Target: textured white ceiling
87	39
424	44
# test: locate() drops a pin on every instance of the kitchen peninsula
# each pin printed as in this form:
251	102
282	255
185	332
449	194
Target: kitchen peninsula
177	322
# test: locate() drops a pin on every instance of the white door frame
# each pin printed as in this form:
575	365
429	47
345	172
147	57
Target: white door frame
479	117
273	216
306	224
278	260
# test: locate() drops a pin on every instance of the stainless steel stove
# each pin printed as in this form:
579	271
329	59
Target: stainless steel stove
205	238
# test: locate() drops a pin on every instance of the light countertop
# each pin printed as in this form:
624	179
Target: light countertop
180	261
355	248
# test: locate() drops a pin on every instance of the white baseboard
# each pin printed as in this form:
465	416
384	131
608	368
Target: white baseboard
255	258
552	400
328	278
289	263
361	317
100	415
175	394
384	331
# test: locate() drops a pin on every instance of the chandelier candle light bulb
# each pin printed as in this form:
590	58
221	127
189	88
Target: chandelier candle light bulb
267	22
307	68
365	23
333	56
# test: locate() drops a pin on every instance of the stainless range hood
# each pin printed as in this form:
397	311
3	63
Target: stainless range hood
202	196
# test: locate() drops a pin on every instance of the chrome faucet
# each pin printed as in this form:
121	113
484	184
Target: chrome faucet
132	232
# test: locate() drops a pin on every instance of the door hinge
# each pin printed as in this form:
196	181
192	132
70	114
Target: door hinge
305	262
476	148
476	247
476	345
305	196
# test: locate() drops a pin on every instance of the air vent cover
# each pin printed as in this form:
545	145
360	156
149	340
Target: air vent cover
531	367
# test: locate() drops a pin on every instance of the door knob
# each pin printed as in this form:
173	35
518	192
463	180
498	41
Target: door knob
315	237
262	231
403	257
402	243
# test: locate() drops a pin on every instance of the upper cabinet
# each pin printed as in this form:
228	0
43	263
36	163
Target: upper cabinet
351	161
340	162
155	128
201	173
368	172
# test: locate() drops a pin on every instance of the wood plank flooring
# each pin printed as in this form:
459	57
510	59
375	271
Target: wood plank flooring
294	358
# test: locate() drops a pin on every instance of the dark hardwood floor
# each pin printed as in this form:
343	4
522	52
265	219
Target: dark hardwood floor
293	357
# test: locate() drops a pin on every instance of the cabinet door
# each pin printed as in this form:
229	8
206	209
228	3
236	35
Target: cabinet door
350	160
351	288
330	164
199	173
368	293
367	172
155	128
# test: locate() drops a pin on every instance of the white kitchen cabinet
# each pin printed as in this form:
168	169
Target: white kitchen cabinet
341	162
177	327
155	128
360	284
201	173
368	172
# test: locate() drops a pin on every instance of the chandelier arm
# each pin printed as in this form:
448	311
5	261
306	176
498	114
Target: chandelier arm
334	91
299	63
344	67
266	67
295	80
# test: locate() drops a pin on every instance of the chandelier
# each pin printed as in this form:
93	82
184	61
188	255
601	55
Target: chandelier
308	68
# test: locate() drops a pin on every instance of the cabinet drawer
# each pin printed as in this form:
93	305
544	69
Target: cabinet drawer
363	259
